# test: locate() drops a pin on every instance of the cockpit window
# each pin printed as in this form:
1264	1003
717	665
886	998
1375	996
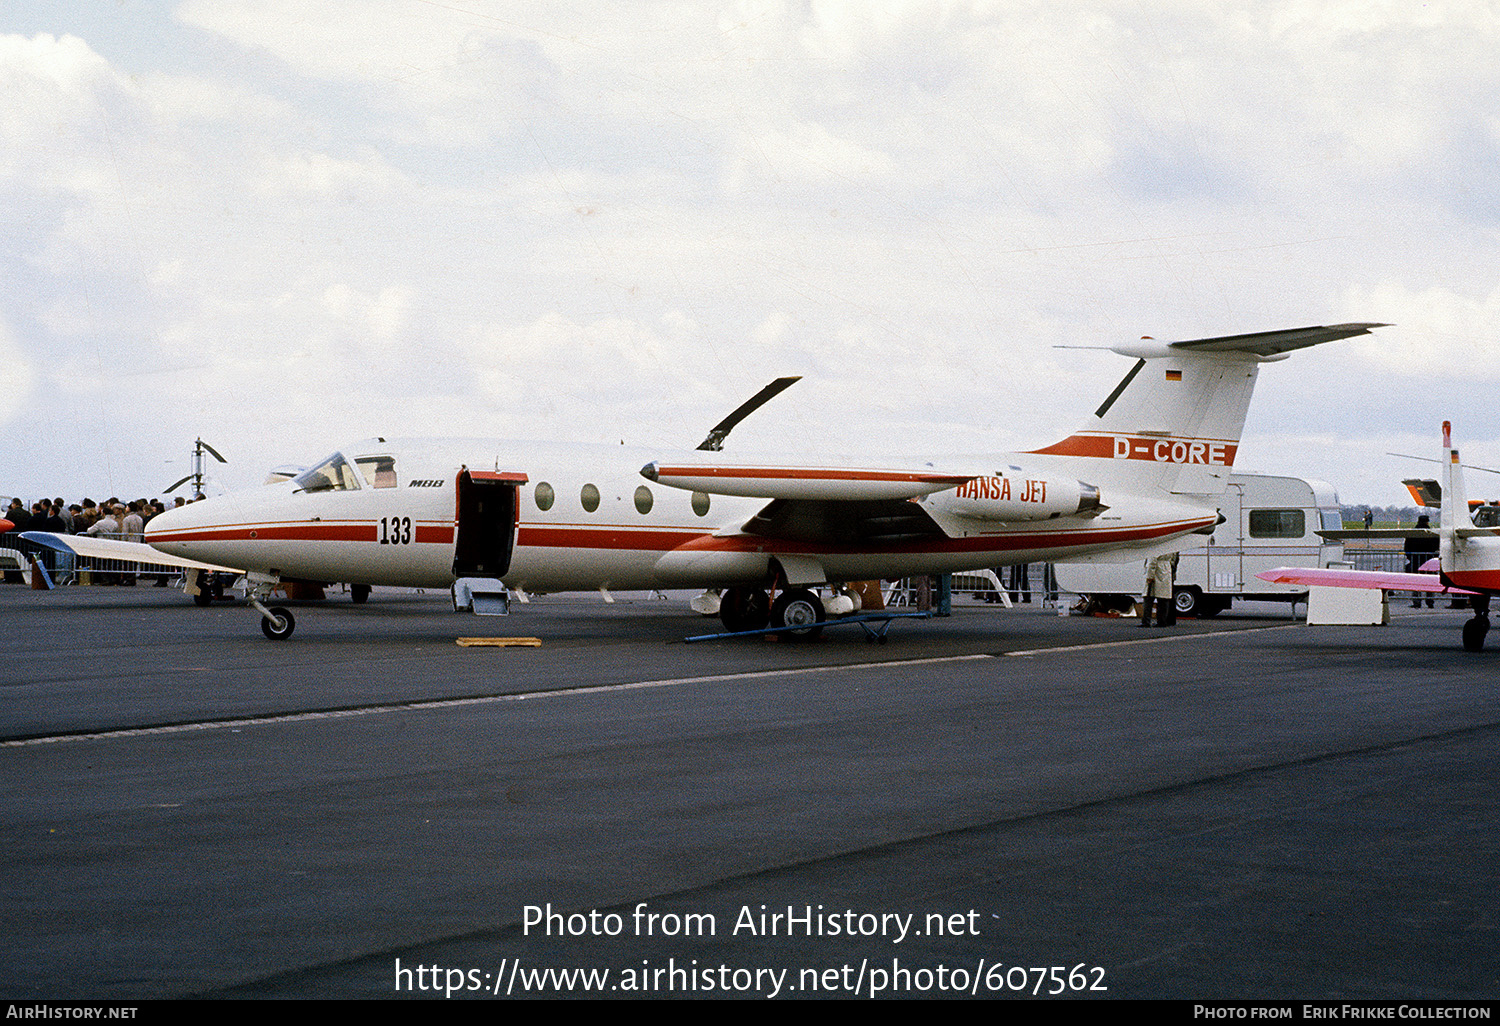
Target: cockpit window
378	471
333	474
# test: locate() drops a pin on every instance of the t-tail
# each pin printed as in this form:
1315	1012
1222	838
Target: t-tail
1173	423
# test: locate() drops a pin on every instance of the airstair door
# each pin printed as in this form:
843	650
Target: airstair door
488	511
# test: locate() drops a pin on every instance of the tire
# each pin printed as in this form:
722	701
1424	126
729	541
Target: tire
280	628
744	609
358	593
203	599
799	613
1189	602
1474	632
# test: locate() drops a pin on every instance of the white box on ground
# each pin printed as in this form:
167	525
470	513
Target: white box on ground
1347	606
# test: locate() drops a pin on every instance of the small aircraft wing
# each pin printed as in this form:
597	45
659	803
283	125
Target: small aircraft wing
792	482
1368	579
103	548
833	505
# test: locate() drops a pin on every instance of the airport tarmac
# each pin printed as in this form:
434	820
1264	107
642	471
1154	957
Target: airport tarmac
1242	807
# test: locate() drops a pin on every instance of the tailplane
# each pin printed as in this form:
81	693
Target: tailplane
1173	423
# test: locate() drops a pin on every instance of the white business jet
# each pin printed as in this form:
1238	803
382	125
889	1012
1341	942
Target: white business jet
1141	475
1468	563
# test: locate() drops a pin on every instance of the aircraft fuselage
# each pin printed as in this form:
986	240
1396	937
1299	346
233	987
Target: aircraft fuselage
586	518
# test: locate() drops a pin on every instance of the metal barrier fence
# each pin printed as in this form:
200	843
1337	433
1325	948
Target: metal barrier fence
1386	560
67	568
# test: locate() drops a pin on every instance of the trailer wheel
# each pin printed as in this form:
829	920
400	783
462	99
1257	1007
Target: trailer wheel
1189	602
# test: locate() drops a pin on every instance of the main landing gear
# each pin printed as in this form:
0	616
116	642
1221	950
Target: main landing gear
744	609
797	613
801	612
1476	628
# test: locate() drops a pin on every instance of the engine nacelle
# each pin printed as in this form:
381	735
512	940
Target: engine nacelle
1018	497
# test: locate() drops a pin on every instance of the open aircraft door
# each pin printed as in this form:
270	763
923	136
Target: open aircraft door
488	510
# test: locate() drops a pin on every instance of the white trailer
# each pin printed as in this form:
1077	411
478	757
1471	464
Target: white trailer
1268	522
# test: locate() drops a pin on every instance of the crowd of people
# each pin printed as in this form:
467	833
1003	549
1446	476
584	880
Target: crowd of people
112	518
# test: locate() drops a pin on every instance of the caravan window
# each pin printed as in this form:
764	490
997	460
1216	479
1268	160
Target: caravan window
1277	523
333	474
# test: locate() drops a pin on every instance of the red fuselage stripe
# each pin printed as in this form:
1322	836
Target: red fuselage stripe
806	474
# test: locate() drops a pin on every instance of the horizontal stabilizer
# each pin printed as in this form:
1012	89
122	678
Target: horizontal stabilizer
1275	343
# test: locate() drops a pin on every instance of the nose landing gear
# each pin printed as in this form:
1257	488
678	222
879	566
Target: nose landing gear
277	622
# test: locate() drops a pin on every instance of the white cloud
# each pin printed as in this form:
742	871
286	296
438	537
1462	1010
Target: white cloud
1443	333
17	378
626	217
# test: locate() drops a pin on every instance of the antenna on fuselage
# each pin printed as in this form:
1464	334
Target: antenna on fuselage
715	440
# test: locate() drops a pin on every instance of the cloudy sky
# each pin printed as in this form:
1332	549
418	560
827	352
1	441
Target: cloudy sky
286	224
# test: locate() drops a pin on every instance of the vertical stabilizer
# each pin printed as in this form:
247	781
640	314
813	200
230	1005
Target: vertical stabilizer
1173	423
1454	512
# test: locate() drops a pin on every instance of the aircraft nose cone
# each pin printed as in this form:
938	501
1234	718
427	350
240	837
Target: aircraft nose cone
649	471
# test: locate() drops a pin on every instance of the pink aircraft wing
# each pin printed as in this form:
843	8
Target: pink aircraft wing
1388	581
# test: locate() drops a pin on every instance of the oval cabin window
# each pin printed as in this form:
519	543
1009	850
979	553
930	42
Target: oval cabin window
643	500
545	496
589	497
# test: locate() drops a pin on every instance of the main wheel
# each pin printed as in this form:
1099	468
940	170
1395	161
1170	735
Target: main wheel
1474	632
281	624
801	612
358	593
744	609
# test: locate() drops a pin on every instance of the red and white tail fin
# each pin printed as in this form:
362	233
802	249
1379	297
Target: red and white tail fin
1173	423
1454	512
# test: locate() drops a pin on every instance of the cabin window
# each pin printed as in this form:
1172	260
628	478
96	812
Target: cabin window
378	471
1277	523
1333	520
589	497
333	474
545	496
700	503
643	500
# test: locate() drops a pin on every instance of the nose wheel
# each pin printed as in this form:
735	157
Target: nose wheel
278	626
276	622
